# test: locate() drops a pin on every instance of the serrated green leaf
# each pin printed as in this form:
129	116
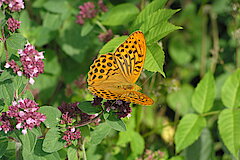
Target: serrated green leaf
157	18
28	143
112	44
154	59
3	147
86	28
179	100
53	115
4	76
39	154
99	133
229	129
7	91
52	141
88	108
121	14
72	153
148	10
231	90
188	130
115	123
204	94
158	32
16	41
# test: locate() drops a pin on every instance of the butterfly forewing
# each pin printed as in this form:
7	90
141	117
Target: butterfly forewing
121	68
130	56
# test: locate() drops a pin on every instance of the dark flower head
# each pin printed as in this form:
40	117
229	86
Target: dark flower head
5	124
71	109
121	108
13	24
70	135
102	6
105	36
97	101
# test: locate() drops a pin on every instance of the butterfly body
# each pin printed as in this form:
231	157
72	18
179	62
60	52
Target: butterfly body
113	75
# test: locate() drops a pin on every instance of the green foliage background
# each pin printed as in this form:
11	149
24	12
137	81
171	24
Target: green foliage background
192	74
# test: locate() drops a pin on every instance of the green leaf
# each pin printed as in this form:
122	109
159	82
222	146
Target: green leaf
179	100
52	141
3	147
57	6
86	28
137	143
19	83
85	131
53	115
88	108
4	76
112	44
26	24
99	133
157	18
16	41
52	21
229	129
28	143
148	10
177	158
121	14
158	32
46	83
115	123
154	59
231	90
204	94
178	51
72	153
188	130
7	91
42	35
202	149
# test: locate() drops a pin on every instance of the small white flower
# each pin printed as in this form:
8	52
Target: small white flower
24	131
18	126
31	81
7	65
19	73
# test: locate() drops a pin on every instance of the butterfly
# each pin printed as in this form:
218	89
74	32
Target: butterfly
113	75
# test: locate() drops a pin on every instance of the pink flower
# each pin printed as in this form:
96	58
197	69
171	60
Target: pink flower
5	124
31	61
13	24
70	135
102	6
87	11
14	5
105	36
24	111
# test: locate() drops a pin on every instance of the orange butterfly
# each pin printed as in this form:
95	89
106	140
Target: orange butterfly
113	75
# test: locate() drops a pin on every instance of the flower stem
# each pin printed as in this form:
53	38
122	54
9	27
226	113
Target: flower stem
215	50
101	26
210	113
5	44
83	150
138	118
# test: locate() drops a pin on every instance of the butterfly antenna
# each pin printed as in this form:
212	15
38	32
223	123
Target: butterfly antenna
153	80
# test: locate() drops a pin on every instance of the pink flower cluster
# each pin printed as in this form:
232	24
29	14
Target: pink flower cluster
70	135
13	24
152	155
105	36
32	64
25	113
88	11
13	5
